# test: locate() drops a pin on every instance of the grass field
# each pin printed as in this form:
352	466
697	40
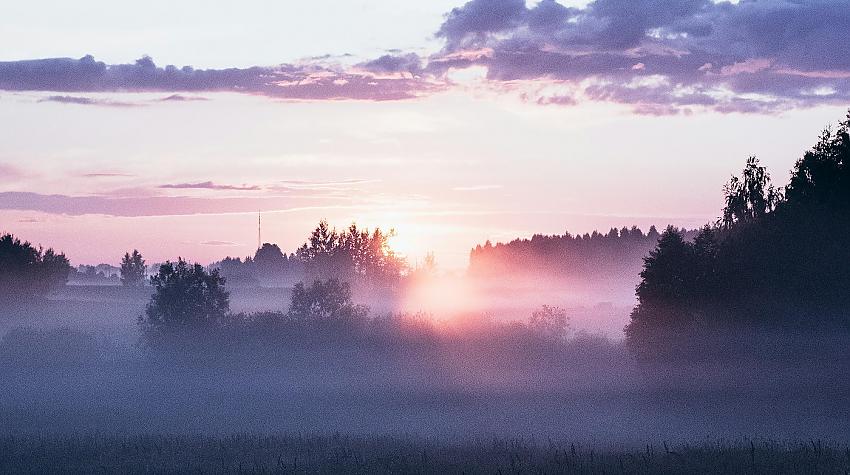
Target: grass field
342	454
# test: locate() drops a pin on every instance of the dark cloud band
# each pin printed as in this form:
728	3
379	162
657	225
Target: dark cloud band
310	82
661	56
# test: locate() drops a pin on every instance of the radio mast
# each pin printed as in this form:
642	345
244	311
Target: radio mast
259	231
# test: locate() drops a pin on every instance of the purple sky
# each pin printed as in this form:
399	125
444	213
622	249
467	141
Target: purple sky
454	122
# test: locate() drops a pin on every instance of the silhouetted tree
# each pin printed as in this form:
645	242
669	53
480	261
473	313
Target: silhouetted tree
185	297
582	258
324	300
358	256
133	269
271	266
774	262
28	274
551	322
706	251
822	175
321	244
238	273
749	197
354	255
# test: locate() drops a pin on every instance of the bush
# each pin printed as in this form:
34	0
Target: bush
185	297
325	300
550	322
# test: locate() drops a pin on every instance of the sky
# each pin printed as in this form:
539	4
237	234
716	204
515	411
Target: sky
168	127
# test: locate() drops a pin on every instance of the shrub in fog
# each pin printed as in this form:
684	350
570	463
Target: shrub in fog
551	322
186	297
325	300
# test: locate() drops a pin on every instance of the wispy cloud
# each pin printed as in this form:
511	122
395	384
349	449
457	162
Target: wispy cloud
208	185
10	173
182	98
107	175
138	206
219	243
477	188
322	185
89	101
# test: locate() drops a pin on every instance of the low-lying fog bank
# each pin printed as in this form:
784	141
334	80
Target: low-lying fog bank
410	375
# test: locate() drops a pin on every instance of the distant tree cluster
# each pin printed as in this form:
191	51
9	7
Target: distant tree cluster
269	266
358	256
28	273
586	257
355	255
772	260
101	274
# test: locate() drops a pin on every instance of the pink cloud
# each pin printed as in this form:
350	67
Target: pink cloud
208	185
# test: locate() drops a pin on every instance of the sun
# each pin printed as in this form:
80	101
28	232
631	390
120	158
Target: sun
403	243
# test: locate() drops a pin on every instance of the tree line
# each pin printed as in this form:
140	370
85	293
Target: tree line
586	257
358	256
776	259
29	273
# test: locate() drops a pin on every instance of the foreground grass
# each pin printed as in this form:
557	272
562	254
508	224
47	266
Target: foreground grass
340	454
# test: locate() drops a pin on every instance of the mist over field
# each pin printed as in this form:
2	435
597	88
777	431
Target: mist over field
441	236
342	347
736	332
450	356
471	377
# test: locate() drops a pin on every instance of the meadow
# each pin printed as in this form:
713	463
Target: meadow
294	454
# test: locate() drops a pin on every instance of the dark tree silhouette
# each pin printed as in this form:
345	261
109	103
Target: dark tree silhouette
353	255
324	300
269	255
185	297
775	260
133	269
750	197
238	273
27	274
666	289
358	256
822	176
588	258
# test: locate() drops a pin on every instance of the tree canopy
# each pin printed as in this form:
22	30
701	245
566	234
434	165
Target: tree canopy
28	273
358	256
185	297
353	254
582	258
773	259
324	300
133	269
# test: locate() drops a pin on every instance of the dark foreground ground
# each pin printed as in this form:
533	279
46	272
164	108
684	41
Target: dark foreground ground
339	454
